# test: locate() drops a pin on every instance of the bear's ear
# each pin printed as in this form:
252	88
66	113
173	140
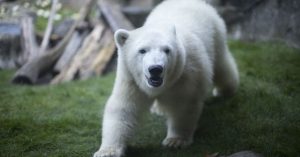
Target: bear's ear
121	36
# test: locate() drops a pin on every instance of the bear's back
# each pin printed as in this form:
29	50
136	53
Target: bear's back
191	15
194	20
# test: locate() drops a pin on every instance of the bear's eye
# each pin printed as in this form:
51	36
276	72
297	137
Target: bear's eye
142	51
167	50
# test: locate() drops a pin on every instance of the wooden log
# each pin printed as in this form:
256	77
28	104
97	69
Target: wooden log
70	51
83	71
90	46
30	72
104	56
28	39
112	13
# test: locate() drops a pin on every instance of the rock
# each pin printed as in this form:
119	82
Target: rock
264	20
275	20
245	154
238	154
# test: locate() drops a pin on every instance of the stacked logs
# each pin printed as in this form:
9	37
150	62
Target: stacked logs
83	52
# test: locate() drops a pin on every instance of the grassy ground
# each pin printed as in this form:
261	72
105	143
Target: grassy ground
64	120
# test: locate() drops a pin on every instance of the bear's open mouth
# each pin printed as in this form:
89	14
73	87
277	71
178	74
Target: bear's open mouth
155	81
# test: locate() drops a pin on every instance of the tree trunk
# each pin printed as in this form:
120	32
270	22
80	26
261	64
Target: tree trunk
29	43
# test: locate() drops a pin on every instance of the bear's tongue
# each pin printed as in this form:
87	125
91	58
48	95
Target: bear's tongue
155	81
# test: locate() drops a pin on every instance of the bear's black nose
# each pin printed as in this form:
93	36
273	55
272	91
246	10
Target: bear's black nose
155	70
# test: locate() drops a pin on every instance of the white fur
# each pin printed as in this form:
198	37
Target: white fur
199	59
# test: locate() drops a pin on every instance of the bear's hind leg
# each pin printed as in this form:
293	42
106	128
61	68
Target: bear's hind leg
226	77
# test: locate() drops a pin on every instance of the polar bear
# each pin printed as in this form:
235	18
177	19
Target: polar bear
171	63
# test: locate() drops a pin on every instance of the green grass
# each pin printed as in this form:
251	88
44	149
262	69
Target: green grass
64	120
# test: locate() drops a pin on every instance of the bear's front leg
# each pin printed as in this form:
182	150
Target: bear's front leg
181	125
121	115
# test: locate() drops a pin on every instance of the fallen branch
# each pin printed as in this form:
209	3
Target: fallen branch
49	27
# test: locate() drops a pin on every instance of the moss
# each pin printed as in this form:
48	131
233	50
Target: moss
64	120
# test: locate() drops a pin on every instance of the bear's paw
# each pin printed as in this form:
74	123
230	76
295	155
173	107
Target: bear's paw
176	142
108	152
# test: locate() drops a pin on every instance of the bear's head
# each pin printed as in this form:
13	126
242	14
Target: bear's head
154	58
